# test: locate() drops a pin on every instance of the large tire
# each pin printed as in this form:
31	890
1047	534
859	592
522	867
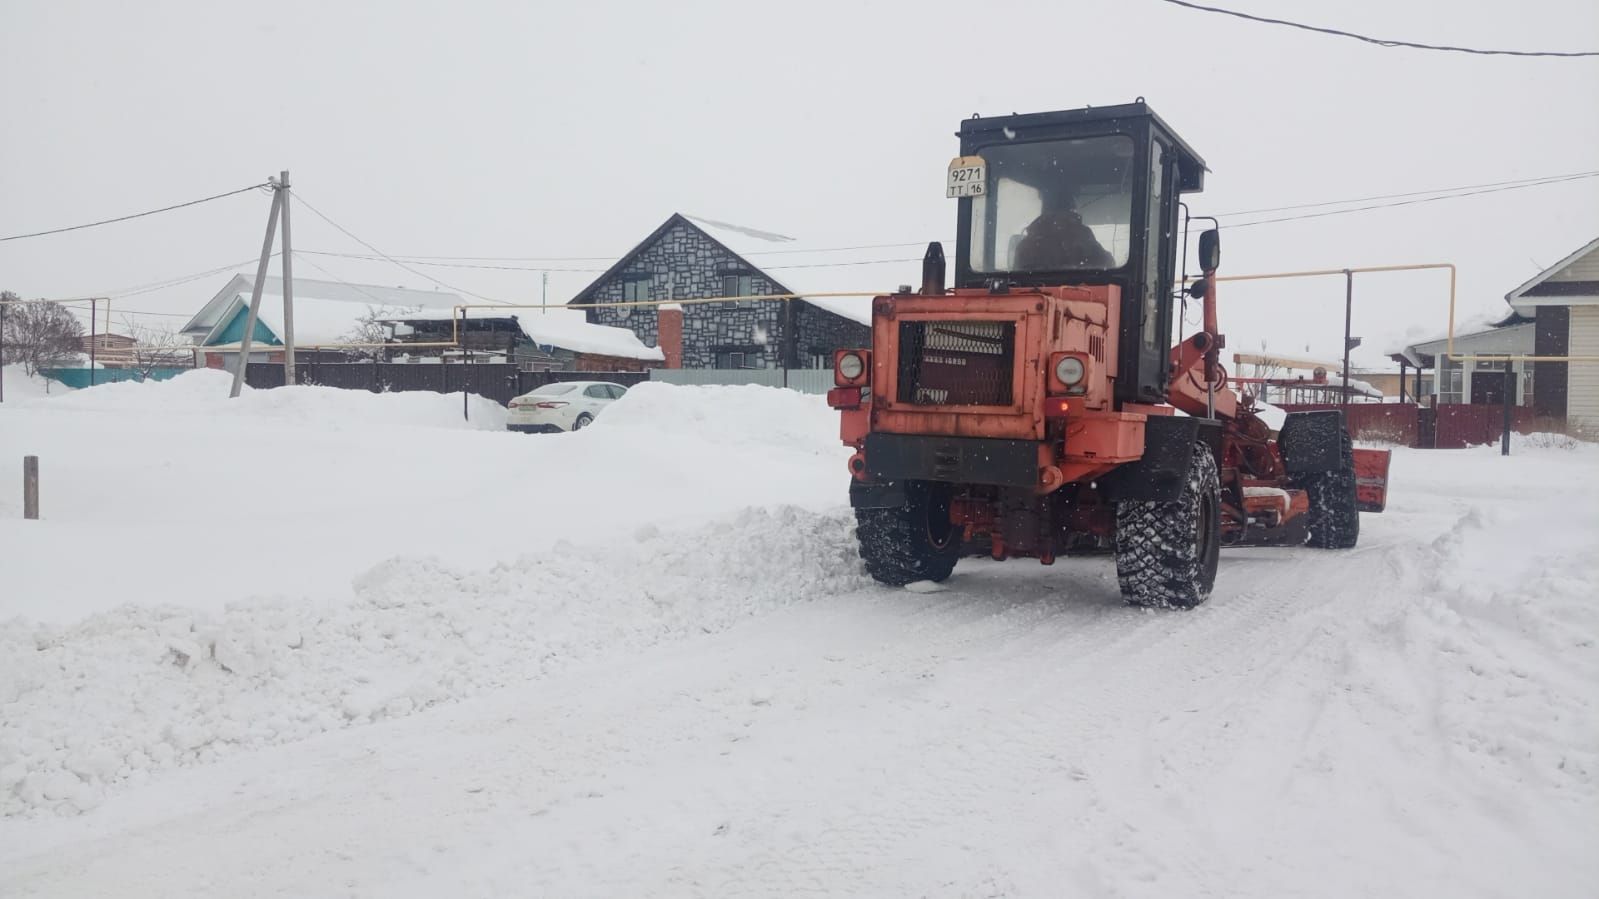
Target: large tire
1334	517
1166	553
915	542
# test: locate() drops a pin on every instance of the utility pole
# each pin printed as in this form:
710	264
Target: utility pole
544	295
1510	395
288	283
255	296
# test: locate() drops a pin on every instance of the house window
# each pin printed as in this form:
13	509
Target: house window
635	289
1450	379
738	285
735	359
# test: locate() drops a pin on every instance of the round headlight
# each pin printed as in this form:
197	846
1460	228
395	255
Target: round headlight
1070	370
851	366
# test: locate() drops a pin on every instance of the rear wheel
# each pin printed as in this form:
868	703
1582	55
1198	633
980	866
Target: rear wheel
914	542
1166	553
582	422
1334	517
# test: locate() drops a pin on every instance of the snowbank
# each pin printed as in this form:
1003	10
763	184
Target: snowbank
21	387
189	498
204	392
129	692
737	415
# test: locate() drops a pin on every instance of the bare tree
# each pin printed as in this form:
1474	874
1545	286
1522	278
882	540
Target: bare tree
156	347
370	329
41	334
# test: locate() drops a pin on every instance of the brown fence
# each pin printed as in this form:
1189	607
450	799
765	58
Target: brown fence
1449	426
497	381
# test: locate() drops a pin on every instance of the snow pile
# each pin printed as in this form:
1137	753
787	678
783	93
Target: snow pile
128	692
20	386
738	415
1542	440
204	392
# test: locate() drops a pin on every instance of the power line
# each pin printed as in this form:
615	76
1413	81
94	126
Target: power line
356	287
418	259
1381	42
538	268
1317	215
1529	182
366	257
347	233
133	216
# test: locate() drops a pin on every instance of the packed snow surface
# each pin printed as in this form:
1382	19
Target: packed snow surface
311	642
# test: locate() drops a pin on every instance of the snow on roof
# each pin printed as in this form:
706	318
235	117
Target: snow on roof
567	329
1481	333
324	311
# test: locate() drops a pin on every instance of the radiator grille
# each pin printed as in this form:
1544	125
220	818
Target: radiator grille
944	363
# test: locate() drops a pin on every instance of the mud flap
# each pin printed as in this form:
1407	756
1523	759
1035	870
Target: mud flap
890	495
1371	479
1160	474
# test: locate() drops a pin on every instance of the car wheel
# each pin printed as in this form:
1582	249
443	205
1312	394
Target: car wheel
582	422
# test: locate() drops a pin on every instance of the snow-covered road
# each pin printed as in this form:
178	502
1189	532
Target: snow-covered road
728	708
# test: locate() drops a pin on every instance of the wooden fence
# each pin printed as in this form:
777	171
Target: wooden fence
1449	426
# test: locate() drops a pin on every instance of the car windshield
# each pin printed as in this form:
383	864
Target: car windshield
1054	206
554	390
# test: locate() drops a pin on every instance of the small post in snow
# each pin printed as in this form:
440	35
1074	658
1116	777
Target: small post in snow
30	487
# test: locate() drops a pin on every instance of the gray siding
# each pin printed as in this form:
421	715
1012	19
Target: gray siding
685	264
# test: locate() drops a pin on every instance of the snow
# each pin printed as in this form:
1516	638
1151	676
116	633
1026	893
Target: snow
427	659
564	328
20	386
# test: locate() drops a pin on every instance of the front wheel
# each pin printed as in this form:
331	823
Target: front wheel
1166	552
914	542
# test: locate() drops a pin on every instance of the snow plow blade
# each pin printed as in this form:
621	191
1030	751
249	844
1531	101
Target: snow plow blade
1371	479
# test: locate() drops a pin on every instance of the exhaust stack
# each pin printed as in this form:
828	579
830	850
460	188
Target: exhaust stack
933	270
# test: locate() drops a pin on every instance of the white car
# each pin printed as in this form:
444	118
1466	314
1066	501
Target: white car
564	406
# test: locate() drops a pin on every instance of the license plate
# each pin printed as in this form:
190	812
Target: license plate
968	177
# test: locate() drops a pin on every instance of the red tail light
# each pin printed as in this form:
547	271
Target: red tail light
550	405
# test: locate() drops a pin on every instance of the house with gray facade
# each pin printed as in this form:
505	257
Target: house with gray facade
687	259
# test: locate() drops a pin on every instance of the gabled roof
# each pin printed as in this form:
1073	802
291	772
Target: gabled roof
722	234
1583	292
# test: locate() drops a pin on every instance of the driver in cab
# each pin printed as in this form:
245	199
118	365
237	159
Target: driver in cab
1058	239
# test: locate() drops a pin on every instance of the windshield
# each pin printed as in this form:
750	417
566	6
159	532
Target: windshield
553	390
1054	206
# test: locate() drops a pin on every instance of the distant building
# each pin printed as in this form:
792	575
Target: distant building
325	313
558	341
1563	303
1472	380
684	260
108	350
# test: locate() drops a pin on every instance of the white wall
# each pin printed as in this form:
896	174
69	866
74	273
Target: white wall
1582	384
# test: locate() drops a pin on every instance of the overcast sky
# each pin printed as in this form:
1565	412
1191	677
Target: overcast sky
479	128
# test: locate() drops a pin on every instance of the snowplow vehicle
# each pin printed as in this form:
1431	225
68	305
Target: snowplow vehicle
1047	402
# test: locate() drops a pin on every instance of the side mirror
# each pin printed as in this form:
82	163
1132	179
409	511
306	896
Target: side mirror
1210	250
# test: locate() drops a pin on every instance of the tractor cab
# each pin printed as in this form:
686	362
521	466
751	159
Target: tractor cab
1080	197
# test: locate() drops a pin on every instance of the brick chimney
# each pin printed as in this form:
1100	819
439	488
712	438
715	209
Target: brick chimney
670	333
